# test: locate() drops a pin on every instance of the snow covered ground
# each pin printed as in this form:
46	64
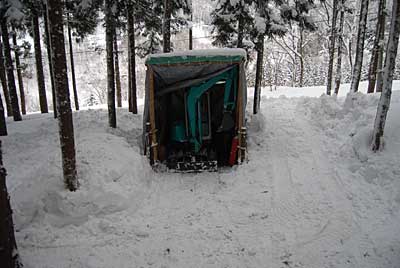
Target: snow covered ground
311	195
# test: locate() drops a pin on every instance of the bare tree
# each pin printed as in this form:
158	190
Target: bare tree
10	71
39	63
9	256
378	46
66	127
390	63
332	39
379	72
338	75
110	25
362	25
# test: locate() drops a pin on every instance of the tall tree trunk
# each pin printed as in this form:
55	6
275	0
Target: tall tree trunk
301	57
240	32
377	48
259	74
379	75
390	63
39	64
338	76
167	26
117	74
112	117
3	79
332	39
71	56
3	125
48	47
362	25
132	61
191	30
10	72
65	121
9	257
19	73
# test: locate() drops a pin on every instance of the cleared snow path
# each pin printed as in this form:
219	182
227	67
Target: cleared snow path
290	206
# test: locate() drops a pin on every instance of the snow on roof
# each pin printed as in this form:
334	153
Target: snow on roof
197	55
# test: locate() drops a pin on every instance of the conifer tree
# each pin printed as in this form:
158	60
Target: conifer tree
3	78
8	62
268	24
232	21
48	48
132	98
82	19
17	54
109	6
66	128
35	9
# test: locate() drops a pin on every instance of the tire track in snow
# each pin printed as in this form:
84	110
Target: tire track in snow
311	213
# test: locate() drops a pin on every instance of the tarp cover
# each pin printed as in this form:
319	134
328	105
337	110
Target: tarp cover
175	71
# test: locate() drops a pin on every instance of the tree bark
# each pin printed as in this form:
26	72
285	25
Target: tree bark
379	75
376	48
362	25
10	72
259	73
338	76
332	39
390	63
167	26
3	79
48	47
71	56
3	125
112	118
191	30
9	257
301	57
132	61
240	32
39	64
117	73
19	73
65	121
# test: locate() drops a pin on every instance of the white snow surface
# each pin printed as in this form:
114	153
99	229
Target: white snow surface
312	194
203	53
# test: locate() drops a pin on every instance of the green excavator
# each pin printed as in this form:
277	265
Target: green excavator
198	110
192	135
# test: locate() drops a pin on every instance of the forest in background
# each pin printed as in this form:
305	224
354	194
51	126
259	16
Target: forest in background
283	58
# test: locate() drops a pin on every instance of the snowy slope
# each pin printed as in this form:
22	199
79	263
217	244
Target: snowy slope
311	194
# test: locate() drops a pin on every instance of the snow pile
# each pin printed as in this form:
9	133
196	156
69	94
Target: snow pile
202	53
311	195
370	180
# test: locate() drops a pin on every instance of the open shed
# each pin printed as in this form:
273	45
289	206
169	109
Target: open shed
194	114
